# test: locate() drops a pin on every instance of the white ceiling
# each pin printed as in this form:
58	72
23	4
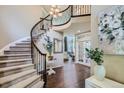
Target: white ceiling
76	27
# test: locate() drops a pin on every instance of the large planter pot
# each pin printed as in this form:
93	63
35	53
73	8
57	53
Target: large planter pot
99	72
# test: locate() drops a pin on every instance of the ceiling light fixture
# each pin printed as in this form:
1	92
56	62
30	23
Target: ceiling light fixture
55	11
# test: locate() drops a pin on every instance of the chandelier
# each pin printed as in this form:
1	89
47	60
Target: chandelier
55	11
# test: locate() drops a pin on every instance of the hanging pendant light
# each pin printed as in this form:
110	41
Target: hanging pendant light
55	11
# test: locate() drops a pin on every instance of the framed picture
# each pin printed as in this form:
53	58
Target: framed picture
111	30
58	46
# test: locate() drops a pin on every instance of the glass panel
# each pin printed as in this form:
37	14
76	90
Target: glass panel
82	52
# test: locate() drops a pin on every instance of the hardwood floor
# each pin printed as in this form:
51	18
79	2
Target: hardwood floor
70	76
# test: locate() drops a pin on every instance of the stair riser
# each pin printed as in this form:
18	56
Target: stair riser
27	41
14	71
9	64
33	83
17	52
15	57
24	43
5	85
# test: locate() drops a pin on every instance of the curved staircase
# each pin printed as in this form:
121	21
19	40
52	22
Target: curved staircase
24	65
17	69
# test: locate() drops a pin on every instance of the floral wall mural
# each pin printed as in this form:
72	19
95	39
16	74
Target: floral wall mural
111	30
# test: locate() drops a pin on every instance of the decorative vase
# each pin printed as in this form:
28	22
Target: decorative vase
99	72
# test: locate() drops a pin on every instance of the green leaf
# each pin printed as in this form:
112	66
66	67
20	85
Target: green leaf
96	55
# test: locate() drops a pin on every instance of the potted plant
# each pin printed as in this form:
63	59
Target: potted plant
49	47
97	56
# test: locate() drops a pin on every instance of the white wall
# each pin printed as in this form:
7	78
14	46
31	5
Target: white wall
16	22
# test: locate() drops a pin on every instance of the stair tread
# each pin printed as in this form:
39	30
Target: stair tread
23	42
15	76
14	67
9	55
16	60
25	82
38	85
27	41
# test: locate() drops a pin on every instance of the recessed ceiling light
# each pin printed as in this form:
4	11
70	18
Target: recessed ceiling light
79	31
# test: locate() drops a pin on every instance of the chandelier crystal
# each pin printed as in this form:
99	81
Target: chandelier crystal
55	11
